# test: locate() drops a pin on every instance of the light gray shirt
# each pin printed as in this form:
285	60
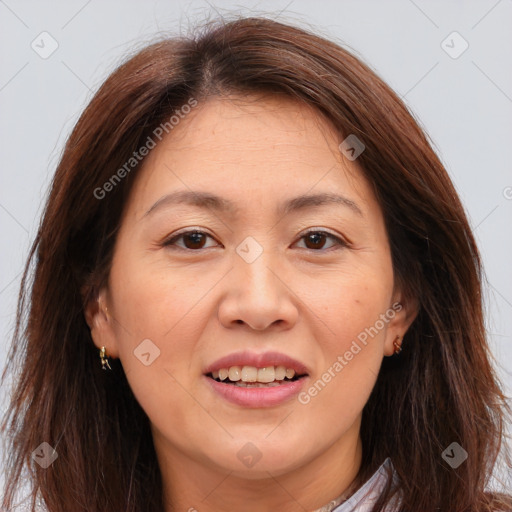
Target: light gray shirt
364	499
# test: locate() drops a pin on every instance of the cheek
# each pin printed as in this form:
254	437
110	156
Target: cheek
157	324
157	344
350	363
352	326
155	300
352	304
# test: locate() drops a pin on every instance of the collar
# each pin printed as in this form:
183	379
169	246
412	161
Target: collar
364	499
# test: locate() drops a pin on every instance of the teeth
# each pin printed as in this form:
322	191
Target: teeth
243	384
266	374
280	372
242	375
249	374
235	373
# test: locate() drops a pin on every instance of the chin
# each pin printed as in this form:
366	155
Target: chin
254	458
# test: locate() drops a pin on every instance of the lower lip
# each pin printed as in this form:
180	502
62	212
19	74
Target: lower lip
257	397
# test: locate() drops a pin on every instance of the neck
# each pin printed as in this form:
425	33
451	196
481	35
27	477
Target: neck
200	487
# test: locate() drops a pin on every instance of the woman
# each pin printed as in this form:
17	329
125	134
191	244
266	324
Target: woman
255	288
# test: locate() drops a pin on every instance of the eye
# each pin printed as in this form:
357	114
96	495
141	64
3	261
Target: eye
196	239
192	240
316	239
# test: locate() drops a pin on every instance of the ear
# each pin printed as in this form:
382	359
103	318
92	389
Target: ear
402	312
101	323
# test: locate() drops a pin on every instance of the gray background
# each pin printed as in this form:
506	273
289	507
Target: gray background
463	103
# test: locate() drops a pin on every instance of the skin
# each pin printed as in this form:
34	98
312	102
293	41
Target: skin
309	300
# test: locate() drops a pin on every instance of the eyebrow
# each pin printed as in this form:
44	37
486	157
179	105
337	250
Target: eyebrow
210	201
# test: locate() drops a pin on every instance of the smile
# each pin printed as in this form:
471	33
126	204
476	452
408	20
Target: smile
250	376
256	380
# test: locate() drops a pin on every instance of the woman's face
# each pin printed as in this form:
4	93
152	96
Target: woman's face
252	295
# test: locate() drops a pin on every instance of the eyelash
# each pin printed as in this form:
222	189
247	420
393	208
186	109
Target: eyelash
338	241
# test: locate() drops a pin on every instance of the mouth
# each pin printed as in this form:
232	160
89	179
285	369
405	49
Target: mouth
256	380
253	377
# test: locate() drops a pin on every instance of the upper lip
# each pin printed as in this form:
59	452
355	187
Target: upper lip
258	360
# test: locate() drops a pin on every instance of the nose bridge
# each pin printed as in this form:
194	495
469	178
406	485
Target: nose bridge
256	295
255	267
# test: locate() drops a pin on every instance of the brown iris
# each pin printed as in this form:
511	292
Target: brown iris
315	239
196	240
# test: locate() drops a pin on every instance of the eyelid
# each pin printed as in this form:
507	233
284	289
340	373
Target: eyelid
187	230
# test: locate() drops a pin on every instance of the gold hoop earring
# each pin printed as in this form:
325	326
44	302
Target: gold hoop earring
397	345
104	359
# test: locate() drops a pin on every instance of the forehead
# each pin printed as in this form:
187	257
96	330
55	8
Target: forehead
244	146
229	127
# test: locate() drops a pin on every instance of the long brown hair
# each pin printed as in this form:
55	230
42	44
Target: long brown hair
440	390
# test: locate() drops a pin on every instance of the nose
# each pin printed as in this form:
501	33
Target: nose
258	296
